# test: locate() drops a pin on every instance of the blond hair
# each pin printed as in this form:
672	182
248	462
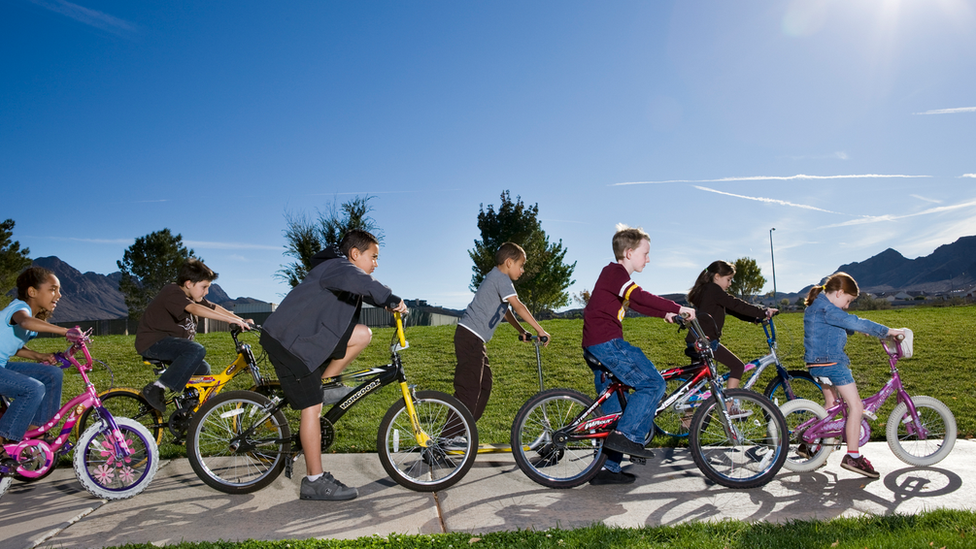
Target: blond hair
627	238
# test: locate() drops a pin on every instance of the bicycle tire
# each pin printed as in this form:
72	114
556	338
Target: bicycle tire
107	475
549	463
796	412
803	384
750	463
5	482
936	418
674	420
125	402
438	465
227	463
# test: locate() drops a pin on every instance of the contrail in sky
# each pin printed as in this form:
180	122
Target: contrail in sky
877	218
948	111
798	177
87	16
769	200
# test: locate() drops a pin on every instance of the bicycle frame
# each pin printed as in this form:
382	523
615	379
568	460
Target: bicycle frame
701	373
815	428
70	412
211	384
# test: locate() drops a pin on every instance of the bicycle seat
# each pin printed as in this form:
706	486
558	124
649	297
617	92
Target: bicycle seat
159	366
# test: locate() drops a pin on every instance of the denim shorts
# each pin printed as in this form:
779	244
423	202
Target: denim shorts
838	374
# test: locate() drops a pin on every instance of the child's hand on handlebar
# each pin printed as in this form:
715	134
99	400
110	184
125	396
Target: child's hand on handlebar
401	308
687	312
74	335
770	312
896	334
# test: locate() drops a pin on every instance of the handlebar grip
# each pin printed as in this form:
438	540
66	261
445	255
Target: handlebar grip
544	339
399	329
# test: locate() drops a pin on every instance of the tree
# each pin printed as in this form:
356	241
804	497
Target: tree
748	279
543	285
13	260
306	237
152	262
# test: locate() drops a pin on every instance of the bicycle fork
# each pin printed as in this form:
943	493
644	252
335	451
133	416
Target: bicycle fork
423	439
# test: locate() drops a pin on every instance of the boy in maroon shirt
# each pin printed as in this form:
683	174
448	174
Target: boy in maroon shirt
603	339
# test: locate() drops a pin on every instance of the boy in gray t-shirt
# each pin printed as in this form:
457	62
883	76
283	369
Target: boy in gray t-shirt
472	376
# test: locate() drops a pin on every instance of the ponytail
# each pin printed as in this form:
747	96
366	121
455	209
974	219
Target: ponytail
837	281
716	268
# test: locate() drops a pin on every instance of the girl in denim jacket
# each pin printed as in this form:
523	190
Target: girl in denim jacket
825	330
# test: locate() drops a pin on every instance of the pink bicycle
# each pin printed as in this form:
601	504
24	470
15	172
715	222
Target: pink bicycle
921	430
116	458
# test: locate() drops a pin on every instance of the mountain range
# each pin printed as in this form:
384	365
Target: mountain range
92	296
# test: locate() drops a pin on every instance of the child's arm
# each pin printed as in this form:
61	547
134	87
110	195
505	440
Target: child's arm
523	311
27	322
224	315
34	356
852	323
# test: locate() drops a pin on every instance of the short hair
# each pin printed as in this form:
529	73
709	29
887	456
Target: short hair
627	238
193	270
359	239
837	281
509	250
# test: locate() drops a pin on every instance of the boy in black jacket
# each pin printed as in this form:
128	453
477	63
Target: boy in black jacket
315	333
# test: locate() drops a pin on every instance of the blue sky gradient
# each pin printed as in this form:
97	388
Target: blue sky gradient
847	126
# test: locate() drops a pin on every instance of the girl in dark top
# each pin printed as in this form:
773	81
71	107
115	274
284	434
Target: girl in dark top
711	298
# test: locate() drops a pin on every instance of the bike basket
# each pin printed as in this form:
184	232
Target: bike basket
907	344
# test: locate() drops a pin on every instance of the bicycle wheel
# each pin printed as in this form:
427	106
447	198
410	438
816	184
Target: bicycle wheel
905	441
129	403
803	456
756	451
5	482
451	450
802	383
675	420
550	462
107	474
234	446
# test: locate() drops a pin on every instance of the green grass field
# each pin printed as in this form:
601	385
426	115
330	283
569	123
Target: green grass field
943	365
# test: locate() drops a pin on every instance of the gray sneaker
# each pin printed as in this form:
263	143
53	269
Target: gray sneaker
326	488
335	393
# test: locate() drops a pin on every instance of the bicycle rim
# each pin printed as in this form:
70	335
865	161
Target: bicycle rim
109	475
755	457
449	453
907	443
548	462
226	458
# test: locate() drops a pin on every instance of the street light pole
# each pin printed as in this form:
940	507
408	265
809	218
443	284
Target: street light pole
773	261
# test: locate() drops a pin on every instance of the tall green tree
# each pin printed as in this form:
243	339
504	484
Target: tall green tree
12	260
543	286
306	237
748	279
152	262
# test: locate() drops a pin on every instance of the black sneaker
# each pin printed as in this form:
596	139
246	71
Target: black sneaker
155	396
619	443
609	477
326	488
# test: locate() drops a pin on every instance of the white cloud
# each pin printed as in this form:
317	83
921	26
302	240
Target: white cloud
948	111
922	198
875	219
973	175
768	200
87	16
798	177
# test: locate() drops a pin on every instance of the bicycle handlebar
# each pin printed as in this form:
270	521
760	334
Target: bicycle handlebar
526	336
399	329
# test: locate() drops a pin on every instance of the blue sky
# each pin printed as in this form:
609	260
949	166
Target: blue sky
848	126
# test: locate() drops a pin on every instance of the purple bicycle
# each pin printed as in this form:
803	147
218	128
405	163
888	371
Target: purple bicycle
921	430
116	458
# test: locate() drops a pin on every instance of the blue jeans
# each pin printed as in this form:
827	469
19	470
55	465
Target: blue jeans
630	366
185	357
35	393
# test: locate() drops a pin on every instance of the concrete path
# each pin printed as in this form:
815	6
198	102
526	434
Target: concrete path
495	495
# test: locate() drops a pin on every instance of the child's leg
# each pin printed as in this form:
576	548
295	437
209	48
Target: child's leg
472	375
633	368
310	433
732	362
359	340
610	406
26	393
855	410
186	359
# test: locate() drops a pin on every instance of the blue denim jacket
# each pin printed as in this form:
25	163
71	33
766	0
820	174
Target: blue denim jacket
825	330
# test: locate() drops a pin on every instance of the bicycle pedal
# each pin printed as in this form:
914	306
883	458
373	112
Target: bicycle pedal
638	460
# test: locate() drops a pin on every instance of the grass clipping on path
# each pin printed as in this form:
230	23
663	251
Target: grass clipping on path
942	528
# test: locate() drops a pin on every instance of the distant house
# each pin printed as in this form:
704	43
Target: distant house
421	314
